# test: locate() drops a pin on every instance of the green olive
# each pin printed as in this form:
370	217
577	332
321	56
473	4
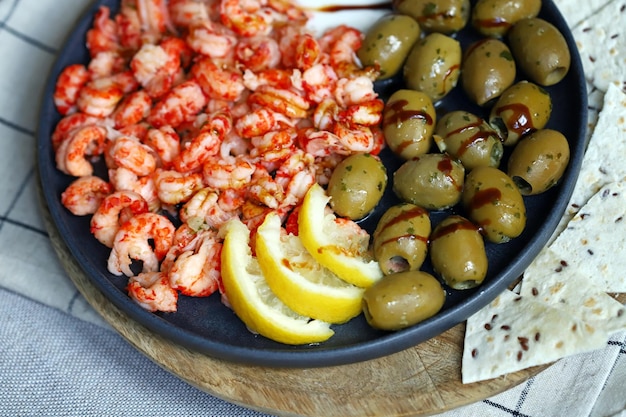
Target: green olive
538	161
356	185
400	241
408	122
433	65
444	16
494	203
540	50
433	181
469	139
495	17
388	42
457	253
403	299
521	109
488	69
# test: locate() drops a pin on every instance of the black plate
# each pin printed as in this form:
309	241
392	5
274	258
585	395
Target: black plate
205	325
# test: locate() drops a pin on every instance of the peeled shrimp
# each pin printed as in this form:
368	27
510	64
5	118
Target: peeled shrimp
85	194
152	291
72	152
115	209
196	272
68	85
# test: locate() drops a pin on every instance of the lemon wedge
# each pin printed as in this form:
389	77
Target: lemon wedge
339	244
299	280
253	301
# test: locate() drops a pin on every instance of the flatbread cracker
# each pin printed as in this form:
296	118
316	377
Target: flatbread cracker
595	239
574	11
552	281
604	158
602	50
515	332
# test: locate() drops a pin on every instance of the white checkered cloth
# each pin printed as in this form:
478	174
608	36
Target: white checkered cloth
58	357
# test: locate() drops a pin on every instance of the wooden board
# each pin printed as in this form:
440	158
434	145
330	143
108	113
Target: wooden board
419	381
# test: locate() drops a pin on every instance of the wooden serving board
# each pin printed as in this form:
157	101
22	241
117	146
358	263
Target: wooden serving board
419	381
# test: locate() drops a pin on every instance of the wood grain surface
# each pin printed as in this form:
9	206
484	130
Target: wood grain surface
420	381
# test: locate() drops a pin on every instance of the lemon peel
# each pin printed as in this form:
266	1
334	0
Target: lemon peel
299	280
253	301
338	244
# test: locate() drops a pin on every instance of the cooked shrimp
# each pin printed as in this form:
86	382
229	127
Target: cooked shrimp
157	67
99	97
102	37
67	88
265	190
72	152
179	105
355	90
174	187
259	122
257	53
218	82
105	64
368	113
185	13
196	271
125	179
165	142
152	291
115	209
274	77
296	175
204	211
308	52
243	17
137	130
285	102
273	146
132	109
71	122
154	16
231	173
319	82
206	144
211	39
84	195
354	139
130	153
325	114
144	237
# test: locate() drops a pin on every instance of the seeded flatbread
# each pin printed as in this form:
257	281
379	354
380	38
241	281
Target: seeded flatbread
551	280
602	47
604	159
593	242
515	332
574	11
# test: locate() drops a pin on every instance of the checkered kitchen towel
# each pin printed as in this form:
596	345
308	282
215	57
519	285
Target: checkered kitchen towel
58	357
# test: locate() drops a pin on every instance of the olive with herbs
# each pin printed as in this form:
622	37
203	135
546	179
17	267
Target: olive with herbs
444	16
468	138
388	42
400	240
538	161
433	65
496	17
433	181
409	120
521	109
493	202
457	253
540	50
488	69
356	185
403	299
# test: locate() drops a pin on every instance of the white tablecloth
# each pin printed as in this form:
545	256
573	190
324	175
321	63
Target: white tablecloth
58	357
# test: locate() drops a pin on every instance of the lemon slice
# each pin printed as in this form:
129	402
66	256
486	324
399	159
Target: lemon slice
252	300
338	244
299	280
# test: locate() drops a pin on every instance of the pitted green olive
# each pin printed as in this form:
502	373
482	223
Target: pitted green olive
540	50
408	122
495	17
403	299
538	161
444	16
388	42
493	202
521	109
469	139
433	65
488	69
401	238
357	185
433	181
457	253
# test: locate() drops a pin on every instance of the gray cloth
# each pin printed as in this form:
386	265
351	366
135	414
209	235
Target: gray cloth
57	355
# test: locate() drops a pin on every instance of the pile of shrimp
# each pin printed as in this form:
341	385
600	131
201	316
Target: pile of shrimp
202	110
